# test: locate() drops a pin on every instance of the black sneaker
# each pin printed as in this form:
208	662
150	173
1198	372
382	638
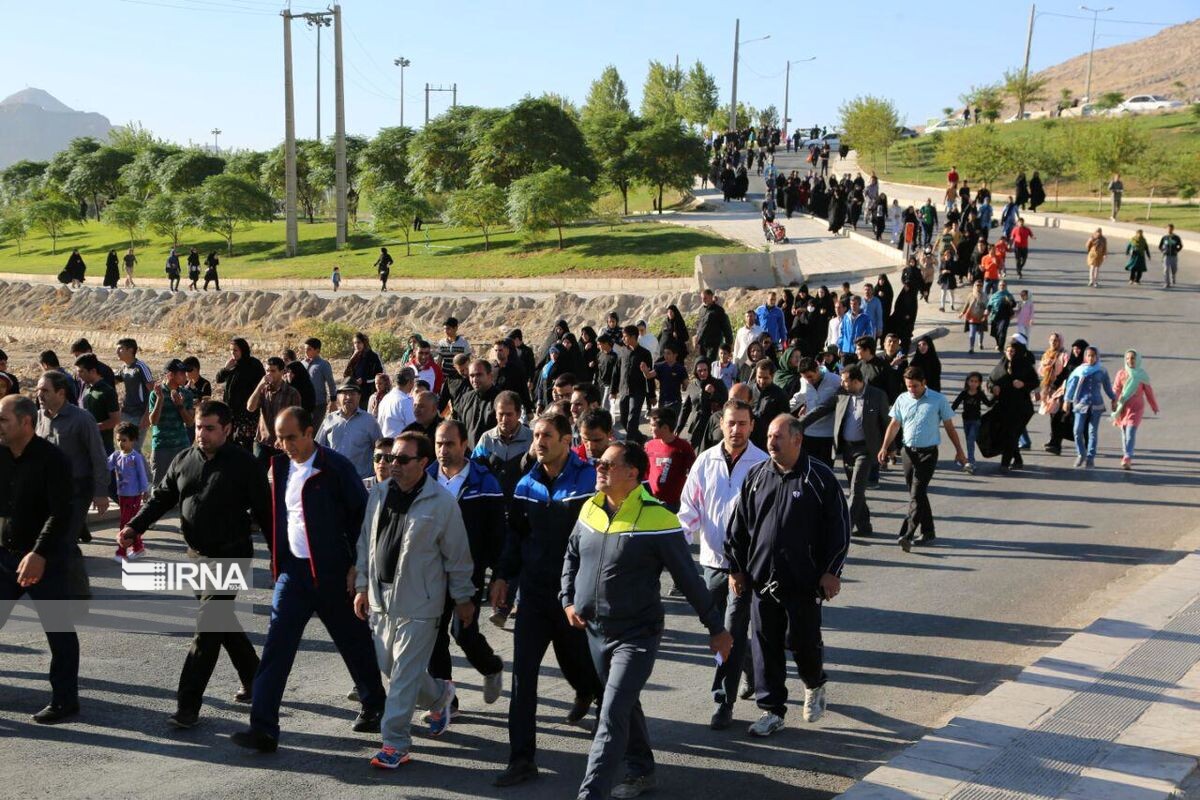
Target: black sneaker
352	695
368	720
85	536
722	718
244	695
184	719
255	740
583	703
56	713
516	772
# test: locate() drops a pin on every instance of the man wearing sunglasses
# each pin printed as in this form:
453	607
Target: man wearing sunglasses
622	542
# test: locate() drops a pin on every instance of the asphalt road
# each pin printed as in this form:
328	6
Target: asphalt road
1021	560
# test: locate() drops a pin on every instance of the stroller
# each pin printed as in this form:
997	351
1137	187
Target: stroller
774	232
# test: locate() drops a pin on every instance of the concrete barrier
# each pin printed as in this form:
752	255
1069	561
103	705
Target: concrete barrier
736	271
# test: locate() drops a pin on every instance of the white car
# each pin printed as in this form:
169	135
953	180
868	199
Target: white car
834	141
1147	102
945	125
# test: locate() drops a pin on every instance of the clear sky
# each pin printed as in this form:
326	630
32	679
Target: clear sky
183	67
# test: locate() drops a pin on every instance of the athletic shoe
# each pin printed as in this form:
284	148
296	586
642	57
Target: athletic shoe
516	772
184	719
255	740
1078	462
1126	462
498	618
1091	462
120	555
722	718
352	695
905	543
389	757
634	786
746	692
493	685
137	551
368	720
969	468
579	709
244	695
814	703
439	719
765	725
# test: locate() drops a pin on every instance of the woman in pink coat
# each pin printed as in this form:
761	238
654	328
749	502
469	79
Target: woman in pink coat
1133	391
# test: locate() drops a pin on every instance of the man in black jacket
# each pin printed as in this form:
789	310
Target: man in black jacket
218	487
36	543
860	419
712	326
786	542
510	374
770	401
475	409
629	386
319	502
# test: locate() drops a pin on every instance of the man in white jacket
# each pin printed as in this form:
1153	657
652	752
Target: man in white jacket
412	550
395	411
709	497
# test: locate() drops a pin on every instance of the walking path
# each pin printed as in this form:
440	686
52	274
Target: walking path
1112	712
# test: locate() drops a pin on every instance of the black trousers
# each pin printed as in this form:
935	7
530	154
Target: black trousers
48	595
474	646
631	416
541	624
1022	257
736	611
216	627
919	466
819	447
781	625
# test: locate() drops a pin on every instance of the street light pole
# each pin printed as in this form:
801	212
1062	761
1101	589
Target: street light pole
216	147
1025	69
737	26
787	89
1095	12
402	62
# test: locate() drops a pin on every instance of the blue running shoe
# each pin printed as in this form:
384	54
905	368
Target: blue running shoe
439	720
390	758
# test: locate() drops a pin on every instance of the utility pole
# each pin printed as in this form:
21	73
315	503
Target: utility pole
289	139
1095	12
737	27
1025	69
402	62
427	104
216	147
453	89
454	96
318	21
787	88
339	130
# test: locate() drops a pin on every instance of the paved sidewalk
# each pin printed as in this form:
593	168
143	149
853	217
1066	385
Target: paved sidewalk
1113	712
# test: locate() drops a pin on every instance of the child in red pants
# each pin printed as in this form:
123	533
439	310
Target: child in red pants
133	482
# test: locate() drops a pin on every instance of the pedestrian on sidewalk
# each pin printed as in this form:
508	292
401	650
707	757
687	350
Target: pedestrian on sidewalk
1133	391
1012	382
1116	188
1037	192
210	271
947	281
1056	366
1025	311
193	265
1097	249
612	594
1138	252
1008	217
219	488
130	263
1022	190
1170	245
335	277
919	413
1084	396
112	272
383	266
786	545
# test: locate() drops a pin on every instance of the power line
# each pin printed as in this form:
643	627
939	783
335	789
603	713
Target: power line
1106	20
759	74
242	11
376	91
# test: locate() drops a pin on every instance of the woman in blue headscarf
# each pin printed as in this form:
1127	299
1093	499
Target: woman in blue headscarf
1084	396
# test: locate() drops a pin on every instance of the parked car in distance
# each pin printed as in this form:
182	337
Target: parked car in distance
942	126
1013	118
833	139
1147	102
906	133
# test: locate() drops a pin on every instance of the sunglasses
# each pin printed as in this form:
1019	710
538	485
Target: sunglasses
386	458
603	465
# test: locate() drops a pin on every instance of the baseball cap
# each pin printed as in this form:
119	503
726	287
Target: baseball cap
349	387
175	365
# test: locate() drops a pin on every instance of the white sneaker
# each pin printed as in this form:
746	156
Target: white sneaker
767	724
493	685
814	703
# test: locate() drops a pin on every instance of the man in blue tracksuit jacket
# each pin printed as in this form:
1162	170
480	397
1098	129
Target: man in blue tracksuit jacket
771	320
318	506
545	507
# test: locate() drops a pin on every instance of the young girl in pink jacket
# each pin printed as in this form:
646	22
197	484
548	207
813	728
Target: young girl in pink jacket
1133	391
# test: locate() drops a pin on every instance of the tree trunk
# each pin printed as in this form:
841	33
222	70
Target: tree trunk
96	202
407	242
229	244
486	241
53	243
660	194
625	197
1149	203
560	238
1056	192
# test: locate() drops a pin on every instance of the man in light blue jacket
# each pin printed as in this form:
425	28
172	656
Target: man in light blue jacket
770	319
412	550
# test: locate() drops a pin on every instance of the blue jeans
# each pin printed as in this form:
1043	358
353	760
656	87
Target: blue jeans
976	329
1087	426
971	431
1128	439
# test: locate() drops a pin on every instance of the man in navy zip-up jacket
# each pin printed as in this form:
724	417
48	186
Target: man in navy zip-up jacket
318	504
481	501
787	541
545	507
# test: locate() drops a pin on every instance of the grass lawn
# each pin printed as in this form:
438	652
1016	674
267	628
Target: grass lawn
634	249
1185	217
917	161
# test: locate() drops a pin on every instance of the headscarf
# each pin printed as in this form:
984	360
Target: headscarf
929	363
1051	354
786	372
1085	371
1134	378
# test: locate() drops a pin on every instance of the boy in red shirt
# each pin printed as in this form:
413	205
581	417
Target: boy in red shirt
1020	238
1000	251
671	457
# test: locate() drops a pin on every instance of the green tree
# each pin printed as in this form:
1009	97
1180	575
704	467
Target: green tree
140	177
606	95
187	170
169	215
247	163
668	156
20	179
384	159
609	135
1109	101
14	224
1024	88
532	136
480	207
662	93
1053	155
394	208
52	215
979	152
720	118
1154	168
870	125
311	182
1065	98
60	166
229	202
768	117
97	174
700	98
947	112
440	154
548	199
125	212
1109	147
564	104
989	99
